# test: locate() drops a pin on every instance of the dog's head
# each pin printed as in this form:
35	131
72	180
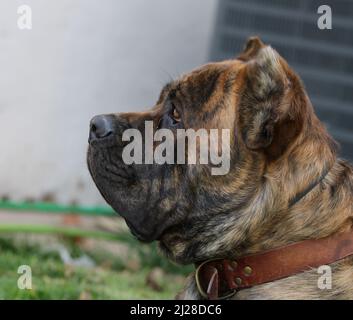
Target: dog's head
262	103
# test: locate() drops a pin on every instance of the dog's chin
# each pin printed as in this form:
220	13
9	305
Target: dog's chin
146	232
142	235
143	227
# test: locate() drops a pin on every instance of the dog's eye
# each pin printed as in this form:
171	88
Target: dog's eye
175	115
171	119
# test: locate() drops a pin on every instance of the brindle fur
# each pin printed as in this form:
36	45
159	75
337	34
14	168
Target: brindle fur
279	147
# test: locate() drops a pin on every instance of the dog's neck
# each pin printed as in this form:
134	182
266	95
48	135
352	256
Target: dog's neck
298	199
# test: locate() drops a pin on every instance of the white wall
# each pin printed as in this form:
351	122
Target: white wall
84	57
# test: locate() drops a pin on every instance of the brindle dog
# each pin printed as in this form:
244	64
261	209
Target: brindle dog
279	148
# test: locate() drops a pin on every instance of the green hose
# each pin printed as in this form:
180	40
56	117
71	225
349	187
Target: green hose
65	231
56	208
46	207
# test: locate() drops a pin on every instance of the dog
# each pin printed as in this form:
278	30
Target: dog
285	183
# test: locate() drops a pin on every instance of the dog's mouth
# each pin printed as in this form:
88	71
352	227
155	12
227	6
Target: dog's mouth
108	141
105	163
118	185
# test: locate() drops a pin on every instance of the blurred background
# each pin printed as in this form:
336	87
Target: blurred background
85	57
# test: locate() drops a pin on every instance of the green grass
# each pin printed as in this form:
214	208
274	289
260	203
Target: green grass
110	279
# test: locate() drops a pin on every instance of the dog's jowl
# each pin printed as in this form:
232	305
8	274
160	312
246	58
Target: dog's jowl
285	204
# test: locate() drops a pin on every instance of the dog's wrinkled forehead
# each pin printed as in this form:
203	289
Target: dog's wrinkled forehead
198	86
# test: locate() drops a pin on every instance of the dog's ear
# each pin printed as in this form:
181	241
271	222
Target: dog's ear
251	48
268	116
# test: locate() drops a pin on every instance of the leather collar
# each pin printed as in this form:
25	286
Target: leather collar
222	278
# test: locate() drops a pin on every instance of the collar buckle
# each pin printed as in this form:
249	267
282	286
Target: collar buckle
211	281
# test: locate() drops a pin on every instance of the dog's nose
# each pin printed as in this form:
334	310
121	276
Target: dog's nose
101	126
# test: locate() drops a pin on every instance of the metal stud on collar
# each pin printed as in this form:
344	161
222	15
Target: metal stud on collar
247	271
